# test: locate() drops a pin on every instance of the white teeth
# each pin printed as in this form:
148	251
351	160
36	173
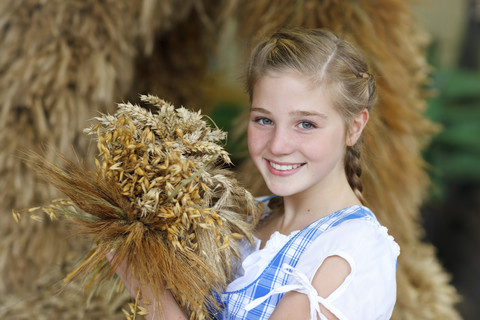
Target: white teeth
283	167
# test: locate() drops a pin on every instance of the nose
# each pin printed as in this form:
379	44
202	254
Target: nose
281	142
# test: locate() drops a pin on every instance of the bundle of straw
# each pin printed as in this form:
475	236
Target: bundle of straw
61	62
160	199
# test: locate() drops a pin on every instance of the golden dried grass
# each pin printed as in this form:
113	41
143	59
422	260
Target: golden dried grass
61	62
160	198
53	300
53	73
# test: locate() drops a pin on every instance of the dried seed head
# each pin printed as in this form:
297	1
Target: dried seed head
159	193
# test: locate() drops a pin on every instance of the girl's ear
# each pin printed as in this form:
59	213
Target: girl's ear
356	127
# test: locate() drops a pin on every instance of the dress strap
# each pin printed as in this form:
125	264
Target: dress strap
304	286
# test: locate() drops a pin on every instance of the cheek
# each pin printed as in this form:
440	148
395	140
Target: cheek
253	140
323	146
257	141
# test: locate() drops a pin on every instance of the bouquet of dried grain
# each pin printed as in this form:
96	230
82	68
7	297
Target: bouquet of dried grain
160	198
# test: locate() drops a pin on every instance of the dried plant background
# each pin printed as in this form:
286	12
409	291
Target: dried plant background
160	198
63	60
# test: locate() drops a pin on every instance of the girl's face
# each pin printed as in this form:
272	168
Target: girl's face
295	136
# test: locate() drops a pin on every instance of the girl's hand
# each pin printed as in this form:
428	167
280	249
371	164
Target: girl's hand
129	280
169	307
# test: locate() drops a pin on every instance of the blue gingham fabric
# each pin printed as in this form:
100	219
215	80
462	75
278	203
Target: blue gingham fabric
274	276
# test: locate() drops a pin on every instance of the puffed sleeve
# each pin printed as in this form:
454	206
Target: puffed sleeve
369	291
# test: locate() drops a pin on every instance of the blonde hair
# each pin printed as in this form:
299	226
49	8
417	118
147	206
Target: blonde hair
329	62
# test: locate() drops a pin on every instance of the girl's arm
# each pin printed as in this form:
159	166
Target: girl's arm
329	276
170	308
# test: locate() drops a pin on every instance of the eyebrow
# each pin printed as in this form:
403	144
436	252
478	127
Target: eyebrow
297	113
262	110
308	114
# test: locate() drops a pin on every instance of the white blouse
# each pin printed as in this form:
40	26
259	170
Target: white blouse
368	292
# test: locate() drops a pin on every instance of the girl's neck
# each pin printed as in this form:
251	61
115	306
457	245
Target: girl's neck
302	209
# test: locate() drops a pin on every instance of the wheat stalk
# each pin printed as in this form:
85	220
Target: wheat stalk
161	198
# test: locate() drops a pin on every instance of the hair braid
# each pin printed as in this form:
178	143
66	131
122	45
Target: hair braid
353	169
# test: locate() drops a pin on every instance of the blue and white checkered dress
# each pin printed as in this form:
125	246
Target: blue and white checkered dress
274	276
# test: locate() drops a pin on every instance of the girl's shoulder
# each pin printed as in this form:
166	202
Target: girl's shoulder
371	254
359	231
359	241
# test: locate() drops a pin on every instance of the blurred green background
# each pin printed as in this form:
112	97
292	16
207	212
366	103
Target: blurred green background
452	214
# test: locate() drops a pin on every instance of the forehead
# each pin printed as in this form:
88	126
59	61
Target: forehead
292	90
297	79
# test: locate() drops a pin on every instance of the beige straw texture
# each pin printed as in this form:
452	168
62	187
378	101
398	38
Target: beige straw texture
160	198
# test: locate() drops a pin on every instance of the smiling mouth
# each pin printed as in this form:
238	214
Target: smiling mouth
283	167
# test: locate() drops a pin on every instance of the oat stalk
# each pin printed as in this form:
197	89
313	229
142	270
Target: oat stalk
161	198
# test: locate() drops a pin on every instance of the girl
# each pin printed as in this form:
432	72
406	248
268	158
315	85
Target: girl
320	254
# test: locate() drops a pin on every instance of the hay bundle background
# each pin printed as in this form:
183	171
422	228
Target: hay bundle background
56	72
61	63
161	199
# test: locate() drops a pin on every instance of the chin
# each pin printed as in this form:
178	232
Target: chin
281	192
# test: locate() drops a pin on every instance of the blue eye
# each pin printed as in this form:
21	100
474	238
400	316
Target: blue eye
264	121
306	125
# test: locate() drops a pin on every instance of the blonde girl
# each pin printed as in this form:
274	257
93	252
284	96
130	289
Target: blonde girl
320	252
